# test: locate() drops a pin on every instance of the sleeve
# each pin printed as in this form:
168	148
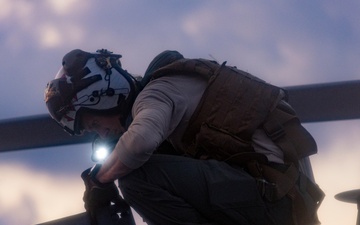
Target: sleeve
156	112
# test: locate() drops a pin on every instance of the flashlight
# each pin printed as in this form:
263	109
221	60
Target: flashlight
101	148
100	153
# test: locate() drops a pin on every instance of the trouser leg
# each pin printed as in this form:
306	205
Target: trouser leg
179	190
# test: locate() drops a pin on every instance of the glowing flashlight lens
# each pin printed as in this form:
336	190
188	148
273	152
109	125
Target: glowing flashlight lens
101	153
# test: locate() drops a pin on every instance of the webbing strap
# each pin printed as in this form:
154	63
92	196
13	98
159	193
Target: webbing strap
284	181
284	128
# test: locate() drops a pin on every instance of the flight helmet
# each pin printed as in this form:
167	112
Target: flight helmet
89	82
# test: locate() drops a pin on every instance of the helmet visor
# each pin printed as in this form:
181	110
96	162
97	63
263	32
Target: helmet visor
55	102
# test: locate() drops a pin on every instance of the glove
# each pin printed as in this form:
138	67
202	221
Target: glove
98	194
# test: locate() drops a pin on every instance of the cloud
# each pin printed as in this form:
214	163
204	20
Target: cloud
19	10
52	35
46	24
336	167
65	7
28	196
285	43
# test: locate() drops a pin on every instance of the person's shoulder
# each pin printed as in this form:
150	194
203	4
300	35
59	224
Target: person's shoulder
167	83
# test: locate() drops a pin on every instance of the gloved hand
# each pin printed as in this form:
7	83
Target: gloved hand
98	194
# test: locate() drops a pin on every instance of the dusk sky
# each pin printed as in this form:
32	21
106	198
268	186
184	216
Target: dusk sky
284	42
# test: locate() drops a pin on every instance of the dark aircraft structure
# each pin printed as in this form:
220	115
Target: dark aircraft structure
313	103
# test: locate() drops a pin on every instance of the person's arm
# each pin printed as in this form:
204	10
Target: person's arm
153	121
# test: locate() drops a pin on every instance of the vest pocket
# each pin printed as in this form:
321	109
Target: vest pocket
219	144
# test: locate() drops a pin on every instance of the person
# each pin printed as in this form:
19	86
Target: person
192	148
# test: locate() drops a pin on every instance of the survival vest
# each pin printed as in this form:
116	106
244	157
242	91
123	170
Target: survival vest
235	104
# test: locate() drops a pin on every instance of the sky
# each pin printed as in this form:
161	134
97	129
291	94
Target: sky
284	42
